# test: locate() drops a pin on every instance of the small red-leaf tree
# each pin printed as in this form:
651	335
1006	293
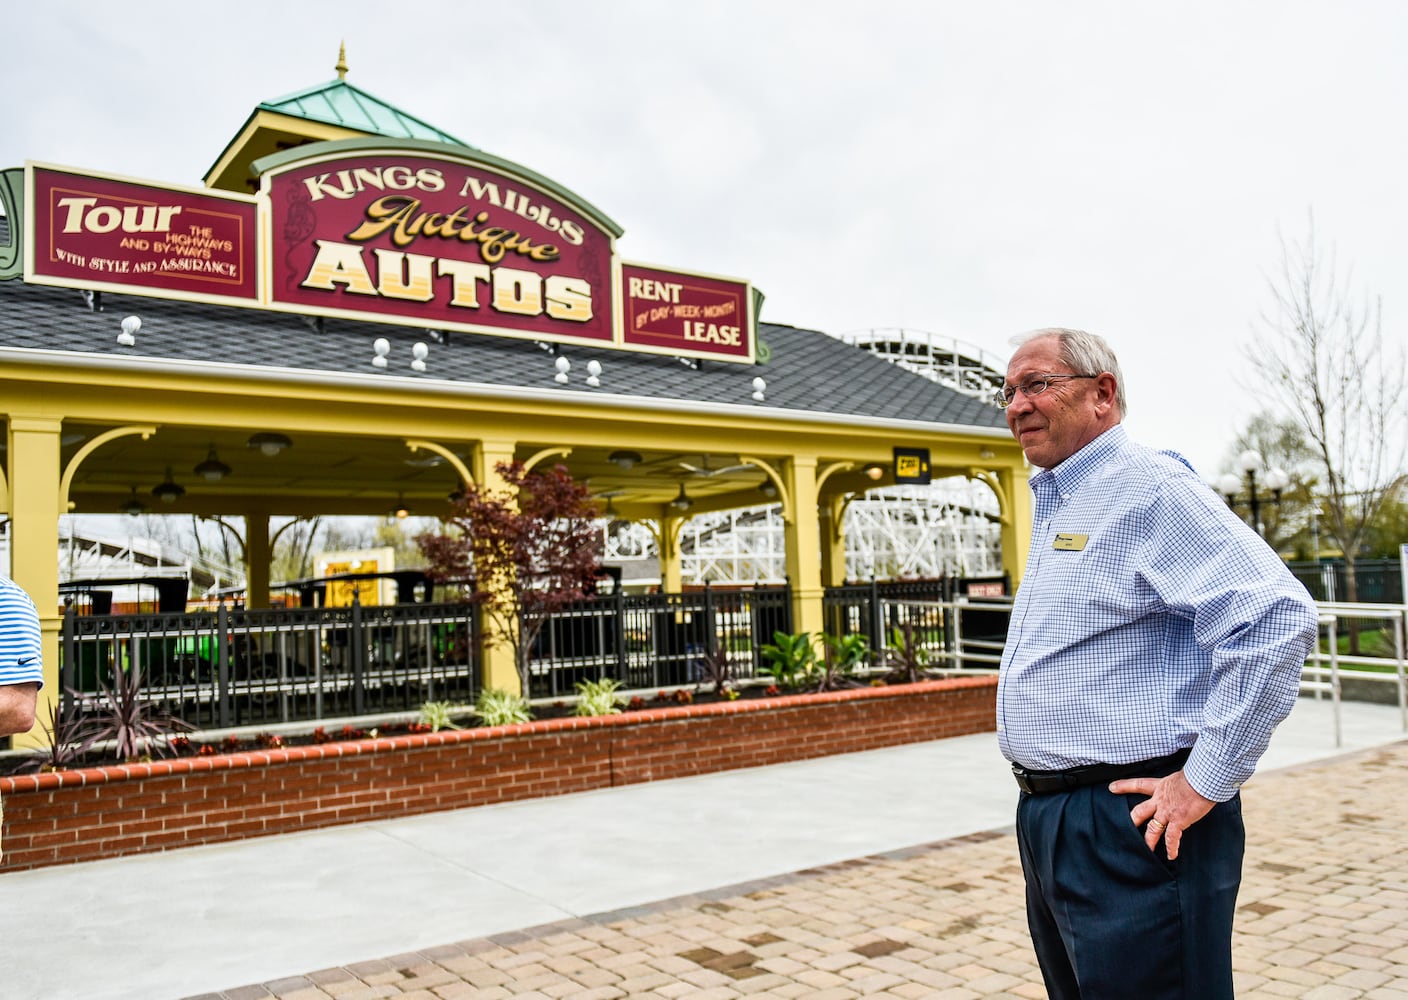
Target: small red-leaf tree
524	552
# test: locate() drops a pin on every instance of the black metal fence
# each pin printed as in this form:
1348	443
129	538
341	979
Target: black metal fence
920	612
236	667
658	640
1380	581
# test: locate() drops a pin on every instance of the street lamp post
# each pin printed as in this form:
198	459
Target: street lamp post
1252	465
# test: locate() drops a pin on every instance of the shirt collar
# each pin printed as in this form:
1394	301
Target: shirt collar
1069	474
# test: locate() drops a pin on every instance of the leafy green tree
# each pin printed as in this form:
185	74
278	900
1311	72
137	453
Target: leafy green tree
1390	529
402	537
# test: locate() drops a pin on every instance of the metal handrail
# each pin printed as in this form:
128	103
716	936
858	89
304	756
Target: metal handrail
1332	686
1395	613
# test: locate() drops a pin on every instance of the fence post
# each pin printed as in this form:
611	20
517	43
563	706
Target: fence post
948	598
710	637
359	657
787	605
755	616
958	631
620	605
876	625
222	665
70	657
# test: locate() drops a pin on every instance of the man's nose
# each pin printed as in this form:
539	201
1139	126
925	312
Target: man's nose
1020	403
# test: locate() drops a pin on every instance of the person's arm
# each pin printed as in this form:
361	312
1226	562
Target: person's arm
1258	625
1256	622
17	704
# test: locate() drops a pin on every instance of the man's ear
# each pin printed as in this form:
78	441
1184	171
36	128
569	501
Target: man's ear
1105	392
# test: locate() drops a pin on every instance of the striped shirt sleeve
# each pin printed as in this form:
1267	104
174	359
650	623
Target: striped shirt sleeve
20	659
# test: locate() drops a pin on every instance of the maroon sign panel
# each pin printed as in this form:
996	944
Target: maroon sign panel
686	313
435	242
103	232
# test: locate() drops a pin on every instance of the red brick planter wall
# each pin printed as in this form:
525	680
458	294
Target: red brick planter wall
107	812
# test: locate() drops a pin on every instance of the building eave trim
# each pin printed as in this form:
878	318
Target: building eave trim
186	369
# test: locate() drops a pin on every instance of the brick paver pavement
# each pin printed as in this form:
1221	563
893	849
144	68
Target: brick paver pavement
1323	915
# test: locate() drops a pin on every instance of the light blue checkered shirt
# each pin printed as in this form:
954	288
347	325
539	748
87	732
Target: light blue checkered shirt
1161	622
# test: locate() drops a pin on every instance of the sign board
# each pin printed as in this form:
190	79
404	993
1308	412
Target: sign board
107	233
979	588
340	593
444	242
912	465
685	313
419	234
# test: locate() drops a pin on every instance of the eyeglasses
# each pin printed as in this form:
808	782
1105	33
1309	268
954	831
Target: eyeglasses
1033	386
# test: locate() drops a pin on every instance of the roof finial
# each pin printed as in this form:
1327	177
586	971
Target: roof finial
341	66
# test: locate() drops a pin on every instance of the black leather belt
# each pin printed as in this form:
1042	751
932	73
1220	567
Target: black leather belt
1047	782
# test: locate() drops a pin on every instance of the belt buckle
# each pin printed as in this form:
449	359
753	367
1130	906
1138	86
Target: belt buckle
1023	779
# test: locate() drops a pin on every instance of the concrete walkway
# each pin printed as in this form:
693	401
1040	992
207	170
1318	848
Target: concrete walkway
885	873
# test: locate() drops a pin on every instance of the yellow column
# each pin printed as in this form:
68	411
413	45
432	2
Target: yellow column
256	556
500	670
833	547
34	542
1016	500
803	536
671	575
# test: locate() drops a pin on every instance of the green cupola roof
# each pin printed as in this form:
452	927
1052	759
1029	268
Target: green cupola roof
326	111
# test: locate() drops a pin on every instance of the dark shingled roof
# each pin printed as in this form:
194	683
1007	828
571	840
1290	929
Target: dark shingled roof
806	371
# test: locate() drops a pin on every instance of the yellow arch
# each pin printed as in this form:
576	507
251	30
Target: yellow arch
826	473
65	504
1004	504
455	462
545	453
783	497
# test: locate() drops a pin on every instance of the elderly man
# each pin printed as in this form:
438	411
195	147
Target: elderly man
1155	644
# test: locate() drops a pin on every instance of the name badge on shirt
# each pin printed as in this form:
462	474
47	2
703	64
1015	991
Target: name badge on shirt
1070	543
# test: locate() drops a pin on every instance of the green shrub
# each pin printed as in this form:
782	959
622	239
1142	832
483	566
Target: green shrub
438	715
848	654
908	659
597	697
496	707
791	659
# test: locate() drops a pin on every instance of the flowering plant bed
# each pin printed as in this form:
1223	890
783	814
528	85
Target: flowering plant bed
198	745
101	812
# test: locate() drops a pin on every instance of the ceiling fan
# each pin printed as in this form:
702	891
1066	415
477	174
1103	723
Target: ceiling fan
704	470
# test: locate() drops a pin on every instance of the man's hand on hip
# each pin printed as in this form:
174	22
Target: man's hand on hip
1171	808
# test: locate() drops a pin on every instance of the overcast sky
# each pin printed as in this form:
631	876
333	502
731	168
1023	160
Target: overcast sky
970	169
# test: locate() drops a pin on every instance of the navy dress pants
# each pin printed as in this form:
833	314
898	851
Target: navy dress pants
1111	919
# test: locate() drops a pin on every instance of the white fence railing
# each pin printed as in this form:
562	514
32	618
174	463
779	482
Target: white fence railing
1325	669
1328	666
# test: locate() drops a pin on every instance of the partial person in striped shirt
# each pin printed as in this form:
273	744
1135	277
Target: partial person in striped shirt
1155	643
21	667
